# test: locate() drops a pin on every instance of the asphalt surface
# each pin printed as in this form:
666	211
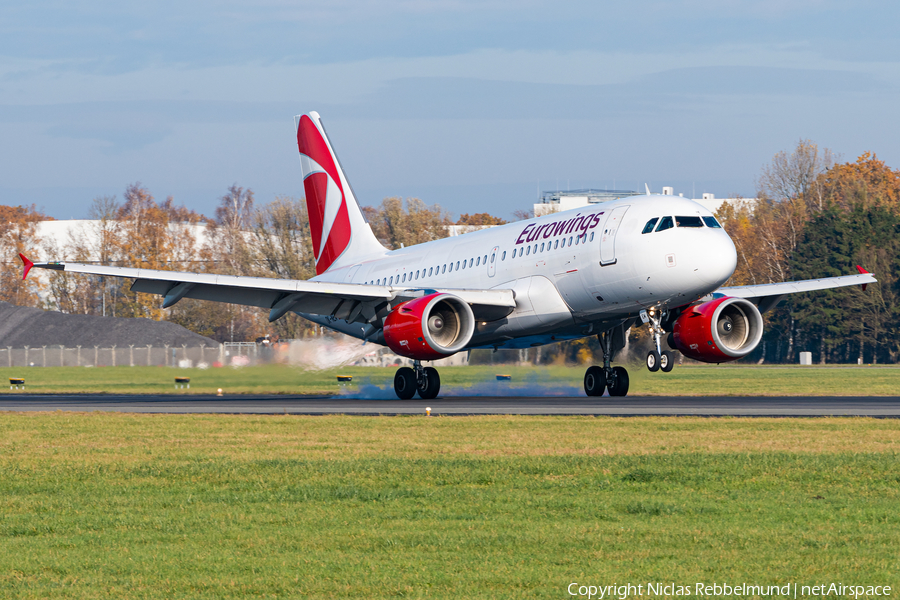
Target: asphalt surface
817	406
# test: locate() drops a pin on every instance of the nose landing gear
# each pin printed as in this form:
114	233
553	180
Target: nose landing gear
424	380
597	379
658	359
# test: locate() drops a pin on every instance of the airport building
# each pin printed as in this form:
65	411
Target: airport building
552	202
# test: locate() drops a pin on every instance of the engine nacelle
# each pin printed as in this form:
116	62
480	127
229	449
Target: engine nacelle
430	327
720	330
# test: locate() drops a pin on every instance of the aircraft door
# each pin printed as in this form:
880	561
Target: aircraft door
608	235
492	261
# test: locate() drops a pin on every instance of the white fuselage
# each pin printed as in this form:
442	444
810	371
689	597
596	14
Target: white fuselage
574	273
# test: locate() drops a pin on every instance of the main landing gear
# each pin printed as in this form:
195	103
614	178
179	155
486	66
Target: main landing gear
424	380
597	379
658	359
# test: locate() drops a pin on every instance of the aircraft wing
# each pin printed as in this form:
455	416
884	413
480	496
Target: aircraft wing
353	302
767	295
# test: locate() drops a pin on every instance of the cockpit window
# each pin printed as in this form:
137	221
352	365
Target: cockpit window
688	221
665	223
649	226
711	222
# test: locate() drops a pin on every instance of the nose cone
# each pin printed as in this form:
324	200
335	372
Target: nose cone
716	261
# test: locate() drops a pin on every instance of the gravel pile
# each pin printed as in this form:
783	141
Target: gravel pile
21	326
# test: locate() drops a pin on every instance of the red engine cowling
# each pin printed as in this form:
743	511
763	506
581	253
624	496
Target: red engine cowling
430	327
720	330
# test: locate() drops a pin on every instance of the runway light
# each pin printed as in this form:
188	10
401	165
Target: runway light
219	392
427	411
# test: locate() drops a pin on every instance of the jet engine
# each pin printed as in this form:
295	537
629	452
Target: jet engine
718	331
430	327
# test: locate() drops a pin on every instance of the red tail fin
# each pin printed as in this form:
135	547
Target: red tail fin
340	233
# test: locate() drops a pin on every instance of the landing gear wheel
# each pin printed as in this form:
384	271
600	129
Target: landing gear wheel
430	384
653	360
666	361
618	382
405	383
594	381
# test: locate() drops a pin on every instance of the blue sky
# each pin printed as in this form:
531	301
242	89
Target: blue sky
473	105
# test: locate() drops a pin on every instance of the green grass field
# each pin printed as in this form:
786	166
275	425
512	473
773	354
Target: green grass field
212	506
280	379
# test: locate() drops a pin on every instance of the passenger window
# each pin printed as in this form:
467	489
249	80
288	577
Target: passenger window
688	222
503	256
528	250
711	222
464	264
592	237
577	239
443	269
570	240
430	271
470	262
649	226
493	256
542	246
417	273
392	280
457	265
665	223
485	259
479	262
535	248
556	244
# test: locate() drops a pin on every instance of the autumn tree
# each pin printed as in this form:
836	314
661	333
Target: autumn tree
397	224
867	182
479	219
18	234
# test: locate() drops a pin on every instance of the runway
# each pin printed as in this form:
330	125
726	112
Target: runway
806	406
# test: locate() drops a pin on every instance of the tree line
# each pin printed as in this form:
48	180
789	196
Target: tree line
815	218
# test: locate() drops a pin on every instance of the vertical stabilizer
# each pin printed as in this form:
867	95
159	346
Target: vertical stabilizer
340	234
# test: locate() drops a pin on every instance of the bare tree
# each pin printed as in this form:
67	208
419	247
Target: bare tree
234	217
794	177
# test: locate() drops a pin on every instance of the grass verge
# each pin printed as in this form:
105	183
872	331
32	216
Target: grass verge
281	379
170	506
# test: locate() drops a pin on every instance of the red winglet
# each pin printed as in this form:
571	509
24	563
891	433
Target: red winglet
28	264
862	272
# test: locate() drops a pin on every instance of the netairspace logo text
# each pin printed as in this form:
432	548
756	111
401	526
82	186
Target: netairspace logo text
624	591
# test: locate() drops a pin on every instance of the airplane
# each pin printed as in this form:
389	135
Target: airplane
659	261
